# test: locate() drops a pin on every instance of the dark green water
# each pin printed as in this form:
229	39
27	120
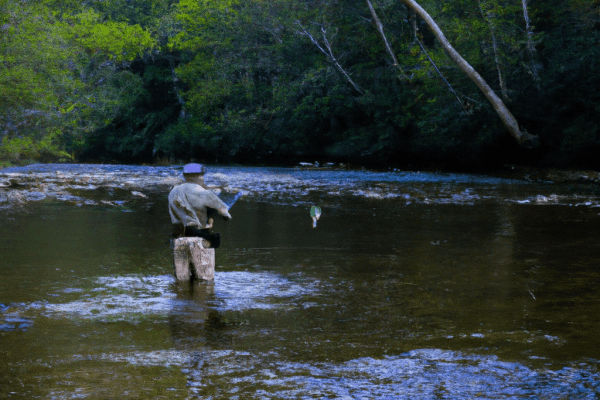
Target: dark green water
412	286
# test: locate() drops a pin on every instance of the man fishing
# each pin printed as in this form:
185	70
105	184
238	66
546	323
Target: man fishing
193	205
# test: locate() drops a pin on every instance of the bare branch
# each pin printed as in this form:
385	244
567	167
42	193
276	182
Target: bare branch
379	27
496	54
443	78
329	54
311	38
530	46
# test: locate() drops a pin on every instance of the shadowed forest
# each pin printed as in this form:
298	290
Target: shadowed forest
281	81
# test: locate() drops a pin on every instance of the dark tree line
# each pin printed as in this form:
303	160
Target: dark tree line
371	82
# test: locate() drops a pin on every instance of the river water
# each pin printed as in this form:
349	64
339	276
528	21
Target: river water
412	286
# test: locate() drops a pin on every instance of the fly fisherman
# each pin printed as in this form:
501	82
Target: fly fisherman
192	206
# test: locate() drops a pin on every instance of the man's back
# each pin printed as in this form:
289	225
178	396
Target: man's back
189	204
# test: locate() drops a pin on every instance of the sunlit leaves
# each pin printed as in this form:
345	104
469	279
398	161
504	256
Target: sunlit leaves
202	20
116	40
55	81
35	76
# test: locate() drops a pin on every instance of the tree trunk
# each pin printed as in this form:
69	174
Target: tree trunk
192	258
523	138
488	19
530	47
174	80
379	27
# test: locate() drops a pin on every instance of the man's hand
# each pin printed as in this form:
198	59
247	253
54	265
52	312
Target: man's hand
225	213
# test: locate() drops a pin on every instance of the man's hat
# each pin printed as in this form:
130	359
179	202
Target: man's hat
194	169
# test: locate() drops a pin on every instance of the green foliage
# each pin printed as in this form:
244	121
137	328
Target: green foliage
117	41
48	149
35	82
61	76
232	80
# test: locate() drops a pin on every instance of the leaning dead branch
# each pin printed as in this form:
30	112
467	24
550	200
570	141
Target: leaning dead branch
524	138
379	27
442	76
329	53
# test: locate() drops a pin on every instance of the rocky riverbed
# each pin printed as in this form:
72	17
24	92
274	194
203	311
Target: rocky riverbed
118	185
80	184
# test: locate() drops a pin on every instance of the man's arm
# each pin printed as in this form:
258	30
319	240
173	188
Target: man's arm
208	199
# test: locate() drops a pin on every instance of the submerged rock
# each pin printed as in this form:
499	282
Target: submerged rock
34	196
79	184
15	197
84	184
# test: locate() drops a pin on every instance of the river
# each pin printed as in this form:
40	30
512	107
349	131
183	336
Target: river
412	286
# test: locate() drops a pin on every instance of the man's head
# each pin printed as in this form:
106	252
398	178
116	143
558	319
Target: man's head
194	173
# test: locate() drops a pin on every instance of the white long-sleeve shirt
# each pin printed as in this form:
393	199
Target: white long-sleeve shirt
189	204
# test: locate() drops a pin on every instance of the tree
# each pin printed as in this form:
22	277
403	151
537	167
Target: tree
521	135
63	76
35	82
246	81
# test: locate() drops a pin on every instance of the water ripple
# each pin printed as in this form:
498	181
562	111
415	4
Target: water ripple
245	290
419	374
130	297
